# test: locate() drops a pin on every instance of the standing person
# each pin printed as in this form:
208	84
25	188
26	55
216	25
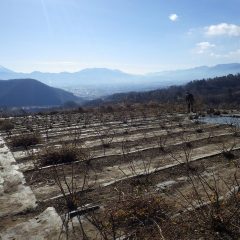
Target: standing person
189	101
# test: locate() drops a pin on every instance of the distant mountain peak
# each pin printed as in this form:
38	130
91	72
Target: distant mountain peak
227	66
5	70
34	72
100	70
201	67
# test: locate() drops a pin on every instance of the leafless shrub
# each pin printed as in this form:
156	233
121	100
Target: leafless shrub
227	147
211	135
234	128
73	180
185	155
214	205
199	130
162	142
77	133
136	164
46	126
86	119
105	132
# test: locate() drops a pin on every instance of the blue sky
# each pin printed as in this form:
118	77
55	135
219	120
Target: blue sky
135	36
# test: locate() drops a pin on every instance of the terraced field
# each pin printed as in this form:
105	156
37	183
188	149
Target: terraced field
116	176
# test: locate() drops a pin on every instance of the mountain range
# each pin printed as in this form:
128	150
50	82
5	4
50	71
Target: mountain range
96	82
32	93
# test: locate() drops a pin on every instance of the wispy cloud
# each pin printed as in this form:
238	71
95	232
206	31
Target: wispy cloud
203	47
173	17
222	29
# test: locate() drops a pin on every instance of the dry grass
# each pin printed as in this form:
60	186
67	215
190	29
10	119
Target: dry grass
139	210
6	125
134	216
25	140
64	154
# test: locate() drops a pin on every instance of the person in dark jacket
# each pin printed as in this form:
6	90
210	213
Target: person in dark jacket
189	101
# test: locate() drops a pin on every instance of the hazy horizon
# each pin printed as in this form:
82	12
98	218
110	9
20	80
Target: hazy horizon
90	68
132	36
